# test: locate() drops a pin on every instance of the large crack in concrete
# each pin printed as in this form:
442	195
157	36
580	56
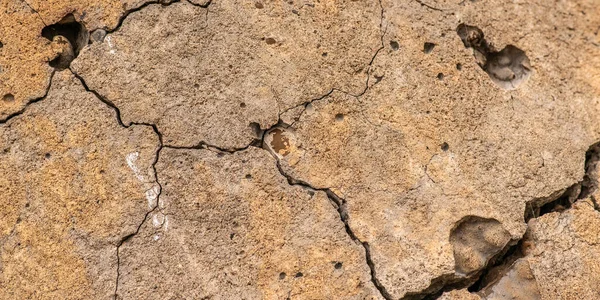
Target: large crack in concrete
154	162
559	201
20	112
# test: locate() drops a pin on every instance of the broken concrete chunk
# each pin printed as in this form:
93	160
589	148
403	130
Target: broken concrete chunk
70	193
231	227
202	75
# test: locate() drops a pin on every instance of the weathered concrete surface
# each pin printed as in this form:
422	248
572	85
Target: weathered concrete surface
419	152
206	74
231	227
25	53
434	146
69	194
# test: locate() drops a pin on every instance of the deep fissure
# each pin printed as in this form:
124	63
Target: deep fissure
558	202
71	35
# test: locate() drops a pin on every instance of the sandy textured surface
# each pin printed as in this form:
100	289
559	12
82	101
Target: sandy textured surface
351	149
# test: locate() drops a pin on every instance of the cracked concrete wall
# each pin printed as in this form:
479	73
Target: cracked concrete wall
236	149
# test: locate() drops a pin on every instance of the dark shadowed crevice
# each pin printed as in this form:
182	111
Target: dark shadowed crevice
564	199
558	201
71	35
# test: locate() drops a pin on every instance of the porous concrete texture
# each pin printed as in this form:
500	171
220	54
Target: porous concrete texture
351	149
74	182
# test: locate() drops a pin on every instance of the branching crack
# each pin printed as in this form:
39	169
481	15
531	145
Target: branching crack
429	6
383	31
154	162
340	205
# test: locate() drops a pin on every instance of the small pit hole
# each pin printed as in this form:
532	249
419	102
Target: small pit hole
282	275
428	47
440	76
8	98
242	105
324	54
445	146
339	117
248	176
338	265
394	45
259	5
270	41
298	275
459	66
47	155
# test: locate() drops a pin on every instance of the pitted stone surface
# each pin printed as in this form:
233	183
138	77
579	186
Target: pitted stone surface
69	194
418	151
401	153
231	227
24	53
206	74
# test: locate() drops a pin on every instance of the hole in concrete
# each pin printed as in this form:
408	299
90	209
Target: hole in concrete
70	35
270	41
508	68
298	275
428	47
459	66
339	117
248	176
259	5
242	105
475	241
445	146
440	76
338	265
282	275
8	98
47	155
324	54
394	45
1	45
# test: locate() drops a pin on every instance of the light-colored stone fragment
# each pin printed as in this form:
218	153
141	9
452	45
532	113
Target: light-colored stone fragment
231	227
68	195
24	53
560	260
